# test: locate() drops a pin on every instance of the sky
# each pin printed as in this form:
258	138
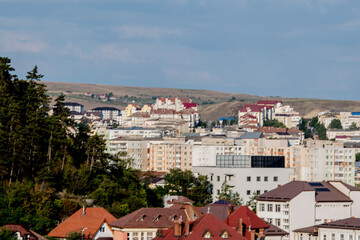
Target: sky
288	48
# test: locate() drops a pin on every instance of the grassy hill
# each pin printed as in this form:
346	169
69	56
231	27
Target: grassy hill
212	104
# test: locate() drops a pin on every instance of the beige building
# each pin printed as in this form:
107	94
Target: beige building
170	153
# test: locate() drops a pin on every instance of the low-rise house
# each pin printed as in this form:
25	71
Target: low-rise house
22	233
145	222
92	223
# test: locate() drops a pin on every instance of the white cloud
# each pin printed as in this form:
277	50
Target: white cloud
133	31
20	42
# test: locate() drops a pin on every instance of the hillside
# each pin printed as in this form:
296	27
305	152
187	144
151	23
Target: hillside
212	104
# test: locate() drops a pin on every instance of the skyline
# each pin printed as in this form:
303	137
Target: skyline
297	48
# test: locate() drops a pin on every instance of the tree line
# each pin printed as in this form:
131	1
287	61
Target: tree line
51	166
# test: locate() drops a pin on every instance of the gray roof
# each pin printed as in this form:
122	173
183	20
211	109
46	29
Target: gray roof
251	135
324	192
347	223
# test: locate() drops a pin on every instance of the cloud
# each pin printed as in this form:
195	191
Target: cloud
20	42
133	31
349	25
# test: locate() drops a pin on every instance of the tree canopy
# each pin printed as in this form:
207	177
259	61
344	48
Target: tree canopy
335	124
273	123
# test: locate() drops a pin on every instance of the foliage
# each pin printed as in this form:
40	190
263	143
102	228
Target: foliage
303	126
184	183
357	157
353	126
7	234
252	202
74	236
48	164
335	124
273	123
319	128
227	194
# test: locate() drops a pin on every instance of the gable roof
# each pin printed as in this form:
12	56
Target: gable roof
324	192
22	230
144	218
248	217
347	223
92	220
273	230
218	210
251	135
206	223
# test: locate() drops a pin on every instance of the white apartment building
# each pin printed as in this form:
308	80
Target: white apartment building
108	112
300	204
243	179
74	107
287	116
139	132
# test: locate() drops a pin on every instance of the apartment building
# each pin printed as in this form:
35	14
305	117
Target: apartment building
300	204
74	107
205	155
169	153
245	175
288	116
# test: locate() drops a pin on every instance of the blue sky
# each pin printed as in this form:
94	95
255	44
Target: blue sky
290	48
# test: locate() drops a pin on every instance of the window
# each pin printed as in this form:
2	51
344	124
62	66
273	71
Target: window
225	235
265	179
301	236
258	179
102	229
270	207
350	237
333	236
248	192
262	208
324	237
248	178
207	235
341	236
258	192
277	222
218	178
275	179
277	208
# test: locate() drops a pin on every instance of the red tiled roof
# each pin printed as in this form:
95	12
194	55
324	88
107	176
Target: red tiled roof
198	228
273	230
189	105
248	217
135	106
185	100
162	99
92	220
21	229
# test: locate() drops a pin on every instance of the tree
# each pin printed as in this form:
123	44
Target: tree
7	234
335	124
314	121
252	202
273	123
357	157
227	194
321	131
303	126
353	126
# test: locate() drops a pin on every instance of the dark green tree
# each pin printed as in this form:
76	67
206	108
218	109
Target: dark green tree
227	194
274	123
335	124
252	202
353	126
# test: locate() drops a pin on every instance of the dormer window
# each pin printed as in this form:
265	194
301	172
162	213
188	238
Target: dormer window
157	218
141	218
172	218
207	234
224	234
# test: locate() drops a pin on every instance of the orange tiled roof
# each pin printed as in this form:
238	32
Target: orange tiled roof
92	220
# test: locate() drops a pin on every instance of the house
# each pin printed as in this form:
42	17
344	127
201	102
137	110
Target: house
22	233
299	204
145	222
92	223
206	227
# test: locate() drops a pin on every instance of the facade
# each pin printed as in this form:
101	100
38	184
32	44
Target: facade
205	155
169	153
300	204
108	112
74	107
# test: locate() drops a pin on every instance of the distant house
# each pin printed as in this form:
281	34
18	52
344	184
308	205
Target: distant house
92	223
23	233
108	112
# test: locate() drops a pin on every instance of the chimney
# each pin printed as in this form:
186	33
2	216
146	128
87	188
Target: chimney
261	233
177	228
279	185
240	227
187	228
83	211
230	209
252	234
